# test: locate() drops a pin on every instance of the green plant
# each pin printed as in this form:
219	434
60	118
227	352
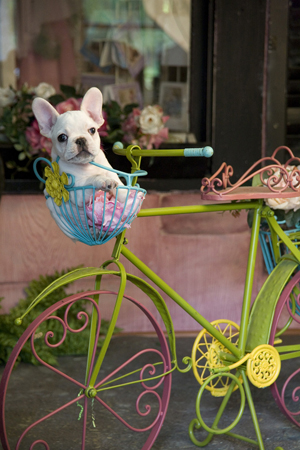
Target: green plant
74	343
115	116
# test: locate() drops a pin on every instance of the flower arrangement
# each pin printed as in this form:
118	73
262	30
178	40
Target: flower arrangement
145	127
19	126
132	125
286	209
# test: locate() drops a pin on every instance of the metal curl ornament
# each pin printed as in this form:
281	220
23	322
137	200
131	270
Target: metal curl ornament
228	172
40	441
236	381
148	407
295	394
50	334
209	185
80	315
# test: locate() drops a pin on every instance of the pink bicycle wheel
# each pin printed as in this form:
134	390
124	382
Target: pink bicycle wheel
284	332
131	394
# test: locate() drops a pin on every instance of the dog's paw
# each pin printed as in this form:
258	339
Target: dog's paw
107	185
121	195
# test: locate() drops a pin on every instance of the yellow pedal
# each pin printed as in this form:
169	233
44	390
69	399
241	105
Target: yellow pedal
263	366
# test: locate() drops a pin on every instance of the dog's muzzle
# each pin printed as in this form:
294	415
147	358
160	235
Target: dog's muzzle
81	144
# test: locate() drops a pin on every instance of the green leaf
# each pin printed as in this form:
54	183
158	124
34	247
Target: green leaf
18	147
55	99
67	279
256	181
129	108
280	215
22	156
68	91
74	343
295	218
250	217
11	164
288	218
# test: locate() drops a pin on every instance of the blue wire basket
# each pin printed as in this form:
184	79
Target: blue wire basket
269	257
267	248
100	216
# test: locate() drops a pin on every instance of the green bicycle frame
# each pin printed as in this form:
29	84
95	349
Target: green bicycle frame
256	206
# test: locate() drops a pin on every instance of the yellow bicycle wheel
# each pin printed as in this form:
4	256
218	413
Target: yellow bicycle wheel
206	356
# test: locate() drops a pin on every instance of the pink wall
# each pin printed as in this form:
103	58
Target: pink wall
201	256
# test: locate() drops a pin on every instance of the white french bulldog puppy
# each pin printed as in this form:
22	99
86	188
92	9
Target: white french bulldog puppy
76	141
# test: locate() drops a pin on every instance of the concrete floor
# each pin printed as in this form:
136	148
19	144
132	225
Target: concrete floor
33	390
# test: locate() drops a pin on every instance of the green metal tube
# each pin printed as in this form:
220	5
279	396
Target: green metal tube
252	411
193	209
179	300
285	239
112	325
288	356
242	438
94	320
143	152
249	281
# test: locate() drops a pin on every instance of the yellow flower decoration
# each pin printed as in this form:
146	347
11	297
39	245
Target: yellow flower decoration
55	184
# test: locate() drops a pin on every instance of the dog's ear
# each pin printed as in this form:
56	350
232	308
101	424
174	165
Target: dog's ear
45	114
92	105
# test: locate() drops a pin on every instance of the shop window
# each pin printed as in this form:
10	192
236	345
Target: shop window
140	51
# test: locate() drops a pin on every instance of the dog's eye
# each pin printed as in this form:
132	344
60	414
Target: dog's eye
92	130
62	138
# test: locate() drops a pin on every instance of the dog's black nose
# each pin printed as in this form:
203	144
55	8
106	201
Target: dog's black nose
81	142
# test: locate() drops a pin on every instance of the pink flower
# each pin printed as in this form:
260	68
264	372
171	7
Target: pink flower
72	104
46	144
115	212
130	125
146	127
36	140
104	127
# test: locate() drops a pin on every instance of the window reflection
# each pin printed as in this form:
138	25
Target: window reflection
131	49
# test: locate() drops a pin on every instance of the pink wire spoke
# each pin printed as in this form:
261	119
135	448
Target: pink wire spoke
50	334
295	396
148	390
130	360
43	419
288	306
148	410
66	327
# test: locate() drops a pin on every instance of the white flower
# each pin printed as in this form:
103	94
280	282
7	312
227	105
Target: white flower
151	119
285	203
44	90
7	97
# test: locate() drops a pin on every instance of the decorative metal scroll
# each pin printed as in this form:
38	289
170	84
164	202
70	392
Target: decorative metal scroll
148	370
273	175
286	393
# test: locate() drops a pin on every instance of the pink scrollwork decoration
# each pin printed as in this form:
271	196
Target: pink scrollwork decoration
273	175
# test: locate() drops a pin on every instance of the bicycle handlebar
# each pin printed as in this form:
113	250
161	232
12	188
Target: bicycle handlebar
134	150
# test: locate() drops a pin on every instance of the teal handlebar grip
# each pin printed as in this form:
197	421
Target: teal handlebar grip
118	146
205	151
